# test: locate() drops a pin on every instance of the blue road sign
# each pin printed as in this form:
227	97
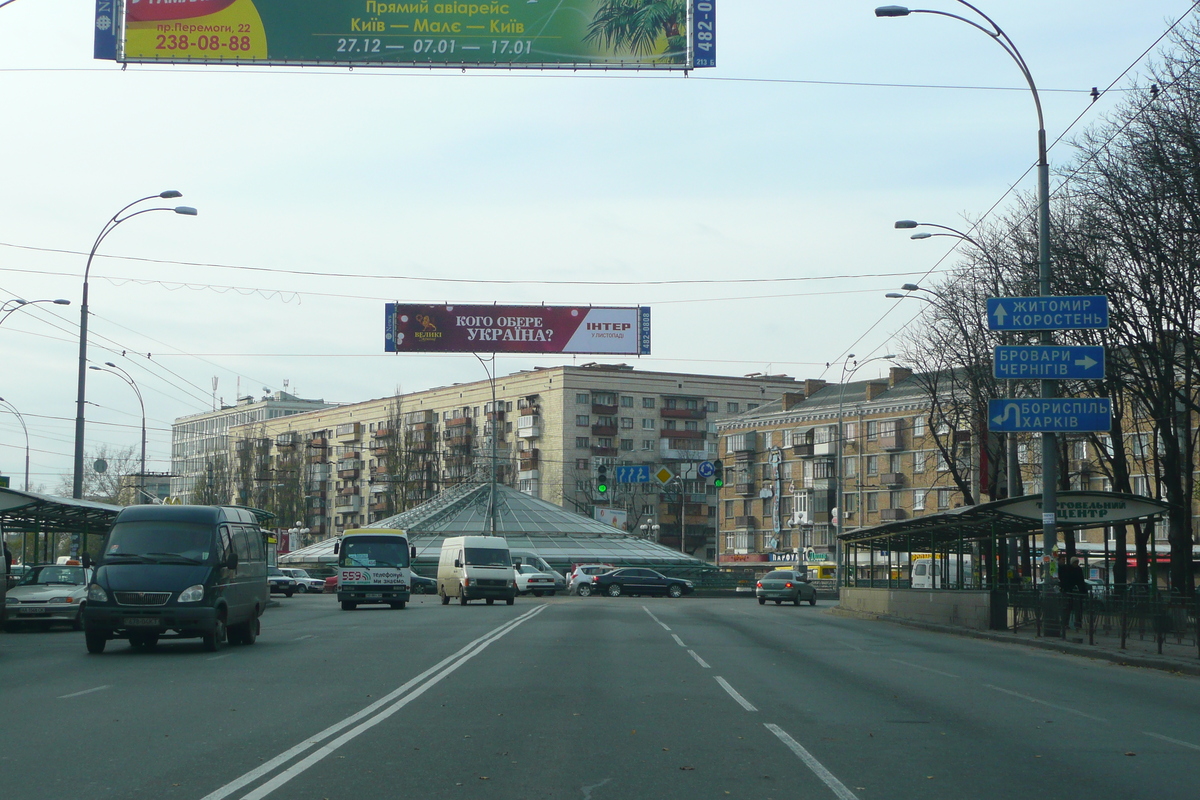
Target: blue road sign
1048	362
706	469
1047	313
634	474
1052	414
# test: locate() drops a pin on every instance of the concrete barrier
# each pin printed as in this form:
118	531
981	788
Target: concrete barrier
964	608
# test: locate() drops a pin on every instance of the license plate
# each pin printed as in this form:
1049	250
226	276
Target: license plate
34	611
142	622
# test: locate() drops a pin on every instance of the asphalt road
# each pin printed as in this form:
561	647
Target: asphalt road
591	698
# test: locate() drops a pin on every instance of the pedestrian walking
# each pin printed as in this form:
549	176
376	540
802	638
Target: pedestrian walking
1074	588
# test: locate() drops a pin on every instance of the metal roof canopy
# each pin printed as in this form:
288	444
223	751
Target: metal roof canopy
1012	516
28	512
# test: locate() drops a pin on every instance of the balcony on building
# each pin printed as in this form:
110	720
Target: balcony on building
608	452
668	433
892	514
318	443
893	439
383	433
825	441
892	478
318	457
348	431
318	488
683	413
379	451
348	503
315	503
348	491
745	488
743	445
316	527
605	409
802	442
529	426
460	422
529	459
287	439
604	430
462	442
745	522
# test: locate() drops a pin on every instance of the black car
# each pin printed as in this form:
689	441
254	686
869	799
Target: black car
423	585
635	581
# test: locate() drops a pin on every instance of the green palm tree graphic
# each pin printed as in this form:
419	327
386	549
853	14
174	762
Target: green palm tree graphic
638	25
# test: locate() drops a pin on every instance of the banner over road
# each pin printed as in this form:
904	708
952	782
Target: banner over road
517	329
571	34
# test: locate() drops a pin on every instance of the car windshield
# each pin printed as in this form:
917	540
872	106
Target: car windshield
487	557
383	551
73	576
528	569
157	541
276	571
297	573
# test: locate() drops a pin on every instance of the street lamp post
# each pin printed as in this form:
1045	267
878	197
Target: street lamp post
1049	388
18	303
125	376
847	373
13	409
81	395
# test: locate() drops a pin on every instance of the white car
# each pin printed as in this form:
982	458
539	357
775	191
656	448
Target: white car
48	593
304	582
582	573
530	580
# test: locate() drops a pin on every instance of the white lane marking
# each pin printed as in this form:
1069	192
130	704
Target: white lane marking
1173	741
85	691
927	669
302	638
1044	703
656	619
699	660
817	767
218	658
465	654
288	755
678	641
743	702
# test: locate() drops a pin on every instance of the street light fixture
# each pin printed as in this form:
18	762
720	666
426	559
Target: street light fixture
1049	388
81	395
125	376
18	303
13	409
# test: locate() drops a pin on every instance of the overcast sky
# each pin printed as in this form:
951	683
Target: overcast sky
324	193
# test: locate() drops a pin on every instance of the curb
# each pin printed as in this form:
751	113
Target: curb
1127	659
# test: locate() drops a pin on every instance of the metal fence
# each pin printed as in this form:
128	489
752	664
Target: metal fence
1164	620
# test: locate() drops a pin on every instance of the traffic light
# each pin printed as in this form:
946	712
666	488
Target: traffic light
718	474
601	479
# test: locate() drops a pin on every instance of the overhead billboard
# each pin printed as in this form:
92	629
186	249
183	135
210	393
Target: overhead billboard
507	34
613	330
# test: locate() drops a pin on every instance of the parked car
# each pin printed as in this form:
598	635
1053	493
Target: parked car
636	581
278	581
785	584
304	583
423	585
331	584
531	580
48	593
581	574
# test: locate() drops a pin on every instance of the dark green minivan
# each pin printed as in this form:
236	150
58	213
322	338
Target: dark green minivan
179	572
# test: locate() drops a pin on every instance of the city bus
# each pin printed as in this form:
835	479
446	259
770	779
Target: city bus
374	567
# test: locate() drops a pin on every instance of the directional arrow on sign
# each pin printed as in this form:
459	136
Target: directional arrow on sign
1000	314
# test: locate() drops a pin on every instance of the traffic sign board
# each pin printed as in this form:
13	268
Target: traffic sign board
1047	313
1048	362
664	475
705	469
1051	414
637	473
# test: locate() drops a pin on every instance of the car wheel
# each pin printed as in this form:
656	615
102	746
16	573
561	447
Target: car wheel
762	601
246	633
215	638
445	598
538	593
462	599
614	590
510	601
797	600
491	600
349	605
398	605
77	623
584	590
95	642
812	601
302	589
675	590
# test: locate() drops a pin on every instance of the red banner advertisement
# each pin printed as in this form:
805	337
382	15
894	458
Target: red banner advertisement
517	329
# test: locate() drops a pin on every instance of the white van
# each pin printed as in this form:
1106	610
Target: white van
520	557
476	567
923	577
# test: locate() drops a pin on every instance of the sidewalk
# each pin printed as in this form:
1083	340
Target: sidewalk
1139	651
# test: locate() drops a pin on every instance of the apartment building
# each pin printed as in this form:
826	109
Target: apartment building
200	440
549	428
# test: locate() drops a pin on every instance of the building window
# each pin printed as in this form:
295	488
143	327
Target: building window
732	408
627	444
895	500
918	500
583	420
648	444
751	406
691	425
669	425
895	462
626	401
604	441
943	498
583	399
918	426
849	467
647	402
872	501
850	431
712	406
872	465
648	424
582	442
872	430
1079	450
850	501
918	461
582	463
627	422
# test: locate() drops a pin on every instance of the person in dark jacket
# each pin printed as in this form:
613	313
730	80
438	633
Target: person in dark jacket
1074	587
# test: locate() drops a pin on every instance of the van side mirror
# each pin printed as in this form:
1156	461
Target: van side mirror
231	560
457	564
336	546
412	551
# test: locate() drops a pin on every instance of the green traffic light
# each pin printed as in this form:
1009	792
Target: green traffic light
602	488
718	482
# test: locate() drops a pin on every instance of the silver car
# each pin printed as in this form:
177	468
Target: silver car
48	593
304	582
785	585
